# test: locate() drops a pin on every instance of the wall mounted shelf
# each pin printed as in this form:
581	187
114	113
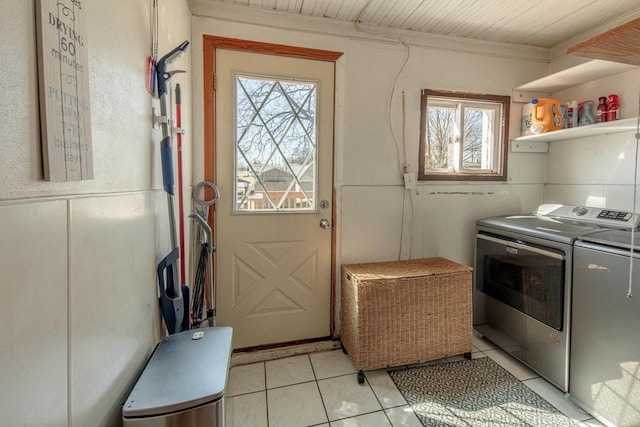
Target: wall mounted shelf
574	76
623	125
540	143
615	52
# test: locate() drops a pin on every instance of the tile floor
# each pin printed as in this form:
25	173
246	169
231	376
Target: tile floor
321	389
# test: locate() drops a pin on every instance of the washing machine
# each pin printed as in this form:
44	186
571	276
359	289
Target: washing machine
183	383
604	374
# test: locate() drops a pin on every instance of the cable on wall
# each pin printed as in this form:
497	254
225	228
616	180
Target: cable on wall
394	85
399	147
406	162
404	168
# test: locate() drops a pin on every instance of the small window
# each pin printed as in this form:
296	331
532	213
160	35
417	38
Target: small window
463	136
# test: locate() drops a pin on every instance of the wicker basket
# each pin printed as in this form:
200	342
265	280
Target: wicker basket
405	312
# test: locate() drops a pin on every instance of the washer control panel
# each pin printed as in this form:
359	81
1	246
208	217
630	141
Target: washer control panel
615	215
605	217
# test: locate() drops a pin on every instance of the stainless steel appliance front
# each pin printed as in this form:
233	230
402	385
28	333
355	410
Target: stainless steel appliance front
523	281
209	415
522	299
605	344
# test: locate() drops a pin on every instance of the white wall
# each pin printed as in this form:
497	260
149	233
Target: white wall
598	170
78	307
368	173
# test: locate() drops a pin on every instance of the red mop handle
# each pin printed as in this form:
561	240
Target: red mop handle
180	185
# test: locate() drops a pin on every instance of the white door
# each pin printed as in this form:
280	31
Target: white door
274	166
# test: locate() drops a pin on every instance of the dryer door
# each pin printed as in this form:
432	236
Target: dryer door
526	277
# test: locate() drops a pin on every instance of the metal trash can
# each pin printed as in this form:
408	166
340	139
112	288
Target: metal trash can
183	383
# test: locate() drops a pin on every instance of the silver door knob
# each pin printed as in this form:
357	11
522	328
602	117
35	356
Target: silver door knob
325	223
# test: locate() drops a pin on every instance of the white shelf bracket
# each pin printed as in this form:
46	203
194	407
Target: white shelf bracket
524	97
529	146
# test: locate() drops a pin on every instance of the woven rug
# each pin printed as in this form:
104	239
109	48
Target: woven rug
476	392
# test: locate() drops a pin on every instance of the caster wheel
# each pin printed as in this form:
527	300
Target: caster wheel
360	377
467	356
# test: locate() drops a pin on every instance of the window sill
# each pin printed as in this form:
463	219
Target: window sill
461	177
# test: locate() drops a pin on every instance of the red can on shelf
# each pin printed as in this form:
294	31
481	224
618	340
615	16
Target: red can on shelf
613	110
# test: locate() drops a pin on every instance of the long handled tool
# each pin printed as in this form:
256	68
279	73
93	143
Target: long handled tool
204	240
204	266
172	298
178	101
151	60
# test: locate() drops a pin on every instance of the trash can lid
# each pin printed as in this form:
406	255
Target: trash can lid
183	372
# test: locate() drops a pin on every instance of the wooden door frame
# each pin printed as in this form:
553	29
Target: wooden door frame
210	44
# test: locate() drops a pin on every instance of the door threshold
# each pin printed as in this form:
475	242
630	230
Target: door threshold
246	356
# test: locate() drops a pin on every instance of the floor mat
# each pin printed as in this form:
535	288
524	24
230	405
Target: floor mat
476	392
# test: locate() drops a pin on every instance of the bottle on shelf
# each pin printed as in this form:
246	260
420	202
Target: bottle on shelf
585	113
572	114
564	112
525	121
547	115
613	110
601	111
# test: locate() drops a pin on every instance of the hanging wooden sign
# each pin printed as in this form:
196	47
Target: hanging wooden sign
63	71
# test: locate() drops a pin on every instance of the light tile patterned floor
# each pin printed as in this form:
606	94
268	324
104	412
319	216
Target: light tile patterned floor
321	389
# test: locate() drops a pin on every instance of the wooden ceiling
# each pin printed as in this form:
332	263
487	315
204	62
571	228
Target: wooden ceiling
621	44
542	23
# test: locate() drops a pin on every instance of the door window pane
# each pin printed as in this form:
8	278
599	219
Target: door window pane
275	145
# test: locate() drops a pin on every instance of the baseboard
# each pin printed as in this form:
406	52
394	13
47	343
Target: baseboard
263	354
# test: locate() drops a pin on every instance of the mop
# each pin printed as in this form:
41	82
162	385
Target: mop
174	299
